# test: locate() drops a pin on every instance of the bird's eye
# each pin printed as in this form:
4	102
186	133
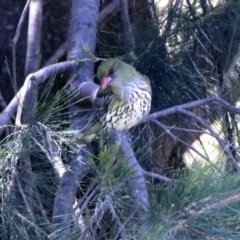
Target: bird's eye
111	70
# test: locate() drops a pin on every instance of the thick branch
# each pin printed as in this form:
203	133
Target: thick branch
109	9
34	37
65	196
82	36
137	183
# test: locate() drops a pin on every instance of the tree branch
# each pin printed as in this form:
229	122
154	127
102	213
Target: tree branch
109	9
215	135
130	42
37	78
137	183
34	37
192	104
14	43
82	36
175	138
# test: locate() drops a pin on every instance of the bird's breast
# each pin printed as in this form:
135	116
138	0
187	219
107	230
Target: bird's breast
124	115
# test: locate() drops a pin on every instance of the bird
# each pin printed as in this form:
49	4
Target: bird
123	99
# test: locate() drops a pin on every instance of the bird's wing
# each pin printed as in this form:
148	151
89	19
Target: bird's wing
102	102
100	107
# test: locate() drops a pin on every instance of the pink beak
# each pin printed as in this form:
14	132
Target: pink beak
105	81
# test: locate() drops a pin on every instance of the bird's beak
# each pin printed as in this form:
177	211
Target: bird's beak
105	81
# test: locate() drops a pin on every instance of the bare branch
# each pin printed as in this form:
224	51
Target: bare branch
109	9
65	195
192	104
130	42
38	78
230	200
82	35
137	183
4	105
34	37
175	138
54	58
221	142
14	43
158	176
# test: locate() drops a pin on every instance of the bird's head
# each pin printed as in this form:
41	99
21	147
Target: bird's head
113	72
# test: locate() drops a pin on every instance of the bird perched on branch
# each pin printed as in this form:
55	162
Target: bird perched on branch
123	99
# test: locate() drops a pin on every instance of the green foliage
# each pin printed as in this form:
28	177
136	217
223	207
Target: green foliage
110	170
201	206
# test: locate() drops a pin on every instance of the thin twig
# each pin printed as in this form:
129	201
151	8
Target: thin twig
59	53
220	204
109	9
99	211
90	188
187	130
27	206
221	142
88	199
192	104
14	42
159	177
175	138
